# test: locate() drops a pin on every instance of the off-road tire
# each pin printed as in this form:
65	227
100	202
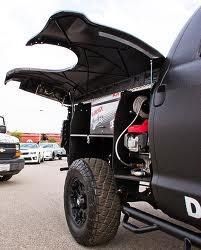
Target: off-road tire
103	203
5	177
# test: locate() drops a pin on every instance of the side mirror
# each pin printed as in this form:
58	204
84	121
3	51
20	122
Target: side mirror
2	129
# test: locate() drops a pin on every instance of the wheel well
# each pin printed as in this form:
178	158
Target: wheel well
99	147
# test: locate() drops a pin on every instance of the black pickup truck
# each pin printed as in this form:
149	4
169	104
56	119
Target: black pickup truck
133	131
10	161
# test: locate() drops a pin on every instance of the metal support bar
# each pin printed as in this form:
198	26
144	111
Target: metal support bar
75	85
123	62
151	71
133	178
64	169
189	236
85	135
36	92
187	244
96	72
64	32
136	229
100	55
87	62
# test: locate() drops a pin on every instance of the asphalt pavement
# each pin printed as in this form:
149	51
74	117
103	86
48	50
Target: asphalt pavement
32	215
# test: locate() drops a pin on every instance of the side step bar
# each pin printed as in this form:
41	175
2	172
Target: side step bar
153	223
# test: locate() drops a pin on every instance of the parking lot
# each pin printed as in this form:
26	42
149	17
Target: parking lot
32	215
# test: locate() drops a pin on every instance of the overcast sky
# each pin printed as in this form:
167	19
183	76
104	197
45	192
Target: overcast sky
154	21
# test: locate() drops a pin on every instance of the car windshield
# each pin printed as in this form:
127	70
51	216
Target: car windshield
28	145
46	145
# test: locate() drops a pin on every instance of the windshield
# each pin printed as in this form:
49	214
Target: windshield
28	145
47	145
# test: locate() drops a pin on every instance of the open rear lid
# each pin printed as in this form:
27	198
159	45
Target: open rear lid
105	57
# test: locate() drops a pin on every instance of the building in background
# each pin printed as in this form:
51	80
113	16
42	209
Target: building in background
36	137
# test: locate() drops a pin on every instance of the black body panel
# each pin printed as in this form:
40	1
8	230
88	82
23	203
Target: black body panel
105	57
175	127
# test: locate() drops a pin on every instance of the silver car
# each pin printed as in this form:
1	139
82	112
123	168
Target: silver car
51	151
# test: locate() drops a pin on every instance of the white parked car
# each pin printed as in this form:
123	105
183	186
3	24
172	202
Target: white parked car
51	150
63	152
31	153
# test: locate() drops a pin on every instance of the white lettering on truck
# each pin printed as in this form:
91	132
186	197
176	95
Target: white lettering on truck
193	207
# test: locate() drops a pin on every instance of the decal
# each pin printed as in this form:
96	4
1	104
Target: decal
193	207
97	111
102	118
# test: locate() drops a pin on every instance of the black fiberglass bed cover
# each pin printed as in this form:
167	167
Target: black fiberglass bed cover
105	57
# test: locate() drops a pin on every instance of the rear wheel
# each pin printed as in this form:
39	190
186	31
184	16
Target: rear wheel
5	177
91	203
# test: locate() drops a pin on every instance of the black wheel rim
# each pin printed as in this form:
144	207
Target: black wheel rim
78	202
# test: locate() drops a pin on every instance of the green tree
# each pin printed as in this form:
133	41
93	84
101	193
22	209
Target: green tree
17	134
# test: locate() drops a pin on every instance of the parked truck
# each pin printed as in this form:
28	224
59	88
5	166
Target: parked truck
133	128
10	161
